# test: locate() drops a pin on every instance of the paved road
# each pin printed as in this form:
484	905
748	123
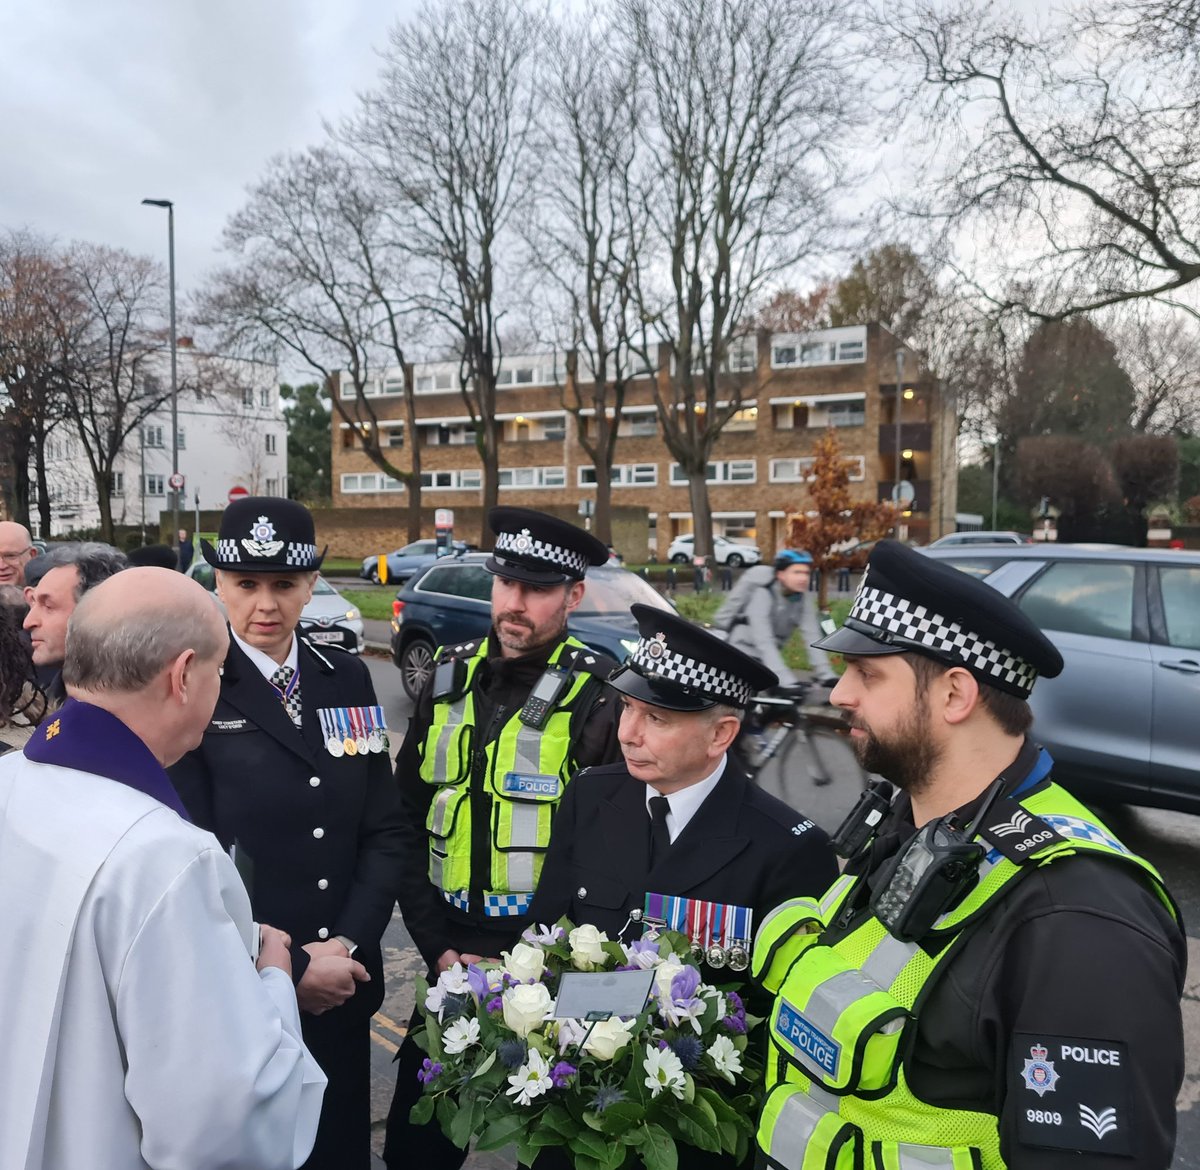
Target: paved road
1170	840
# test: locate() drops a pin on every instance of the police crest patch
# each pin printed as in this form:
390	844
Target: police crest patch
262	542
1039	1072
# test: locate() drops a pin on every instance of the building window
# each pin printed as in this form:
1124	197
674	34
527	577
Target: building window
743	420
743	354
395	436
273	486
152	436
846	414
463	480
272	443
521	430
154	485
116	483
369	481
533	477
800	470
723	471
433	383
264	397
783	355
181	439
248	396
623	475
851	351
446	434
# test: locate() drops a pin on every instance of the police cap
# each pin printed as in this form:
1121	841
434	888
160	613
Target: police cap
539	549
265	534
679	666
910	602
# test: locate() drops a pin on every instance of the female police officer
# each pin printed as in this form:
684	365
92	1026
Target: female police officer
293	776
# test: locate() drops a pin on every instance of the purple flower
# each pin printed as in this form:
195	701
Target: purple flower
605	1097
683	986
429	1071
736	1024
735	1013
734	1004
562	1073
478	981
495	1004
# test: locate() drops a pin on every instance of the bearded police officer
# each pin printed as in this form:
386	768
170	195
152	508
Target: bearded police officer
498	730
995	979
293	776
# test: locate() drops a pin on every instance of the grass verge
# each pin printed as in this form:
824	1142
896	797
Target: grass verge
375	604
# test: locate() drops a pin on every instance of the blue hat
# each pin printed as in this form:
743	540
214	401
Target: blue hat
909	602
679	666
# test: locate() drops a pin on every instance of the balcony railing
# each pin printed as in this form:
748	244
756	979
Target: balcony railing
914	436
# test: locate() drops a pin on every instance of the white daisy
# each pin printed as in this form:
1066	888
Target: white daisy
663	1071
531	1080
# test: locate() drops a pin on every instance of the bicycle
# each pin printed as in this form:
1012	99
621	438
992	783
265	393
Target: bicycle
803	742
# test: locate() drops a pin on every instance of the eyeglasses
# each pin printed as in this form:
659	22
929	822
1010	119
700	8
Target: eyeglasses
14	558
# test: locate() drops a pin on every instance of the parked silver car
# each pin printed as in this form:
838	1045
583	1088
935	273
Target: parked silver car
1122	721
328	619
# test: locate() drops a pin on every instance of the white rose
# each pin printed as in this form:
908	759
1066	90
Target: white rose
524	963
608	1038
586	952
527	1006
664	973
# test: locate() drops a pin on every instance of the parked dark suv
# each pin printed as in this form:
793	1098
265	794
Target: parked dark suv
450	602
1122	721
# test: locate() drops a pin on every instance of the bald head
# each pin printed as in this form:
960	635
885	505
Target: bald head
128	629
16	549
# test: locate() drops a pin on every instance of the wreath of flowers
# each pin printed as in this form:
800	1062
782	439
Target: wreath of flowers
620	1093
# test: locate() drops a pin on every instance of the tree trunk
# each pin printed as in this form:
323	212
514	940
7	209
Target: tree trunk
701	512
43	485
414	456
602	519
105	502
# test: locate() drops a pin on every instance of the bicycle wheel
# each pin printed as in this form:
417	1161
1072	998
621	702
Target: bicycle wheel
807	755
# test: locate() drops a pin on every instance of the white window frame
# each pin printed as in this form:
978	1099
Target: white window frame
465	479
154	484
543	478
272	442
368	482
623	475
798	469
721	471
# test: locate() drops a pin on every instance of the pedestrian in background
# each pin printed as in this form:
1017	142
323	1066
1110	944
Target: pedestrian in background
187	551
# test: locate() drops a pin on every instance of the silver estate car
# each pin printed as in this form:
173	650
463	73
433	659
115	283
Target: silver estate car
1122	721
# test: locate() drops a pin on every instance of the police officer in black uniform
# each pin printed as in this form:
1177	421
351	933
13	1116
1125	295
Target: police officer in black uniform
1010	972
498	730
293	776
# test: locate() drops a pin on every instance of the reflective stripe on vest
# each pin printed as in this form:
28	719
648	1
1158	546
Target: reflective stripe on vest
524	770
825	1022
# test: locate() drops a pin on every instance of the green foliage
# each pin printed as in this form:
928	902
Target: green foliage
310	439
975	495
375	604
889	285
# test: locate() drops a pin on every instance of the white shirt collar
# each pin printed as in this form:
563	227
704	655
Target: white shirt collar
687	801
264	663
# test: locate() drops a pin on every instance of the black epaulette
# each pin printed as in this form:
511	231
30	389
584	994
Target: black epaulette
462	650
585	660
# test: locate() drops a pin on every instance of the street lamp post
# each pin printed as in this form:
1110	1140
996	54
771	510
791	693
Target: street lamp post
899	432
174	382
995	479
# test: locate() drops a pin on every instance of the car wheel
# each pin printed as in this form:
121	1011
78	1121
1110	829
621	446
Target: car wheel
416	665
374	574
734	561
679	559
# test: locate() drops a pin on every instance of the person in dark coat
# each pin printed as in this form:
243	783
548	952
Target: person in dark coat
187	551
677	830
293	776
527	692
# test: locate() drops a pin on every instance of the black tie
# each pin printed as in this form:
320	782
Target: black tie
660	835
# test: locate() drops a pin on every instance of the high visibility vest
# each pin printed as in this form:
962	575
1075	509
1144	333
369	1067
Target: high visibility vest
837	1094
524	770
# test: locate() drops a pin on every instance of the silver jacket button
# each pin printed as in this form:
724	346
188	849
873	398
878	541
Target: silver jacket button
581	892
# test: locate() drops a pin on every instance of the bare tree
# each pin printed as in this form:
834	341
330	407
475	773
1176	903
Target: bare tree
111	364
745	103
1161	351
448	132
39	310
318	276
1063	150
586	242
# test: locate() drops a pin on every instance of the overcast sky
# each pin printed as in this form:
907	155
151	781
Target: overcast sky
103	104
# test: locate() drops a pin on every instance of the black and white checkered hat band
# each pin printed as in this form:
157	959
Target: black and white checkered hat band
294	553
920	626
653	658
523	545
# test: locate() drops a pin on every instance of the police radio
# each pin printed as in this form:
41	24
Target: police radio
546	692
449	679
856	831
937	867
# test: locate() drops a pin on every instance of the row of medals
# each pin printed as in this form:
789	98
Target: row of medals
374	741
735	956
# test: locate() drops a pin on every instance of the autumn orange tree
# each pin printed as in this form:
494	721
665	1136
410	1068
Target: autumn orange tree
835	518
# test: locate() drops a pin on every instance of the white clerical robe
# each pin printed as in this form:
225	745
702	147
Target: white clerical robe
135	1031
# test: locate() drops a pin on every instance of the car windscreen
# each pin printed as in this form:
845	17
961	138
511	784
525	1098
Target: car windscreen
321	586
614	591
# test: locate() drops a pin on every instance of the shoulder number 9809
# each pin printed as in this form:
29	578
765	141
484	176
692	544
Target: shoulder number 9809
1044	1116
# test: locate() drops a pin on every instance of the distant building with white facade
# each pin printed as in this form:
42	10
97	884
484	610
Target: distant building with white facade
232	434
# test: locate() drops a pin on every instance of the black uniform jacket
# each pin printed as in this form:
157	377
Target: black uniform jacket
500	688
1081	955
260	782
742	847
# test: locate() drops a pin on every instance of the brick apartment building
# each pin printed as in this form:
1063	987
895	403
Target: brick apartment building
794	386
